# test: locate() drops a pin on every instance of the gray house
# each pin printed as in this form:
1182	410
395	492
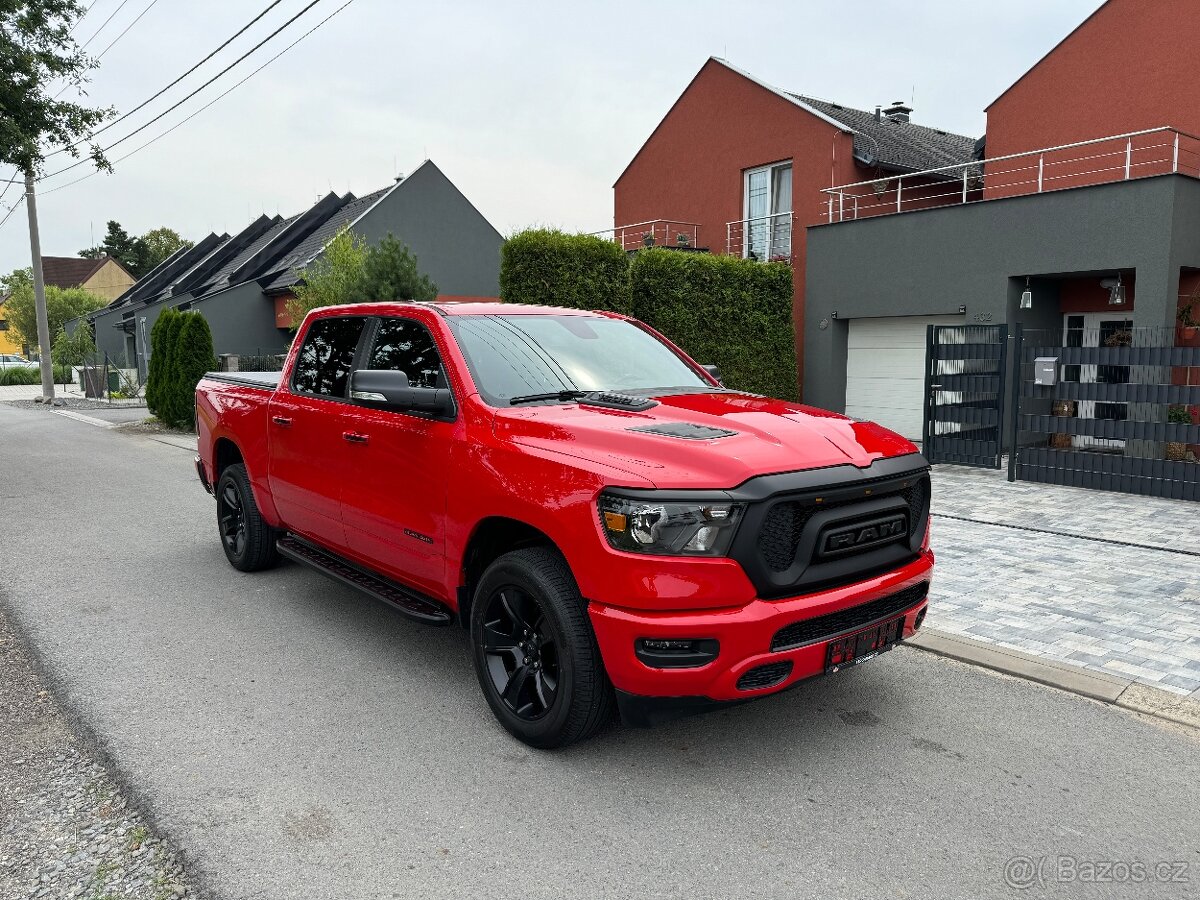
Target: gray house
241	282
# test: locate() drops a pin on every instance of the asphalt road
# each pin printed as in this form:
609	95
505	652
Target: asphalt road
299	741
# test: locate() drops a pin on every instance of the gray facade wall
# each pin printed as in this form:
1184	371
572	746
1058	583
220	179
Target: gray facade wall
454	244
932	262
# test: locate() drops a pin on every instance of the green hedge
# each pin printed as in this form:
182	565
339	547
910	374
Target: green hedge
550	267
162	348
734	313
27	375
193	356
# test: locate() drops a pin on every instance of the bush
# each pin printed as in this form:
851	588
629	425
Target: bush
734	313
193	356
550	267
162	349
32	375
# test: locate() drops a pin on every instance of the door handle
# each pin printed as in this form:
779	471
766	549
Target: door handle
282	421
354	437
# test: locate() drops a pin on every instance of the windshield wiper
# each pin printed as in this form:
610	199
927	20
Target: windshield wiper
560	396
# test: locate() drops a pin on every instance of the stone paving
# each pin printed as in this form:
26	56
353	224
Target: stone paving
1103	580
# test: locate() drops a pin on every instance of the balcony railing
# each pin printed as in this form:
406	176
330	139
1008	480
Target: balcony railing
765	238
654	233
1121	157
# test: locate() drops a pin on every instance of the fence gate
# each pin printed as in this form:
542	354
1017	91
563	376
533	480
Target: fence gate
964	394
1103	404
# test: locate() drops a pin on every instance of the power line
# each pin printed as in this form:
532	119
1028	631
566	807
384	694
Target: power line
191	116
154	97
101	28
126	30
82	17
12	209
179	103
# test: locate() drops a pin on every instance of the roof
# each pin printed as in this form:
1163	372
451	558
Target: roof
72	271
900	146
903	146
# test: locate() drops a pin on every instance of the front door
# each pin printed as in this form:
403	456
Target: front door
305	427
394	502
1097	330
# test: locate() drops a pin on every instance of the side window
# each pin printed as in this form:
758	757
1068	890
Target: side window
407	346
324	362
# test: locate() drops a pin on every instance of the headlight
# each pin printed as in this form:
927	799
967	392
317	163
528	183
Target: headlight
669	528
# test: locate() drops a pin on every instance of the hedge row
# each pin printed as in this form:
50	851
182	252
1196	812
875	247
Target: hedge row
731	312
181	351
736	313
550	267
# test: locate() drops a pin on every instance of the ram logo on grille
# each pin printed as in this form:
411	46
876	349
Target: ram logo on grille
863	535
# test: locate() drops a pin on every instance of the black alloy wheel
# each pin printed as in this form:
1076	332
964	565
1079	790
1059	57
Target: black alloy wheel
521	651
534	650
231	519
248	541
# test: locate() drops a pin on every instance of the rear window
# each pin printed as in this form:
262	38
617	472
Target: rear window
325	360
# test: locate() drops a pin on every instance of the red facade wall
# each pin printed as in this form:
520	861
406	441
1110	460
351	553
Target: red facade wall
1122	70
691	168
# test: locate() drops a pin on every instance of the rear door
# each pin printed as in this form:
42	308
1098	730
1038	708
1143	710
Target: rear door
394	501
307	428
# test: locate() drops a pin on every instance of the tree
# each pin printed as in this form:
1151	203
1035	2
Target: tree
390	273
73	349
159	370
332	278
193	357
156	245
37	52
15	279
137	254
62	305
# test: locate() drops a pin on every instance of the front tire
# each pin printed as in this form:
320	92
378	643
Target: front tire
248	541
535	653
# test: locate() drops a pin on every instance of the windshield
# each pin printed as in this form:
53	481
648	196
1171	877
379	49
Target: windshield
522	355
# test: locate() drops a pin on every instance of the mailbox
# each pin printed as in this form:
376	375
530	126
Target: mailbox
1045	370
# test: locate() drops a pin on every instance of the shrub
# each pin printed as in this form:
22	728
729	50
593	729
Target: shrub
193	357
722	310
550	267
25	375
162	349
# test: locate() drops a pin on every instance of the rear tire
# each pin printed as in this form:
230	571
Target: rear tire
535	653
248	541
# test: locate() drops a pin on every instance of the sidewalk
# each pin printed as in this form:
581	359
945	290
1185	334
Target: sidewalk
1106	581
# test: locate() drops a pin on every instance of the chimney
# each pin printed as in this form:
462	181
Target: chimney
878	114
898	112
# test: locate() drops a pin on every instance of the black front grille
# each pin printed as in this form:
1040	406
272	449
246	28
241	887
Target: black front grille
783	527
764	676
824	627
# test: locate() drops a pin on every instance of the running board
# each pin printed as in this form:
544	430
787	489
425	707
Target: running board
403	600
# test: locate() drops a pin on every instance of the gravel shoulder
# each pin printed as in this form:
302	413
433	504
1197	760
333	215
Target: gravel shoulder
66	828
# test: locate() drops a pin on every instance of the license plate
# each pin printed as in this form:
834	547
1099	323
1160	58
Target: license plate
863	645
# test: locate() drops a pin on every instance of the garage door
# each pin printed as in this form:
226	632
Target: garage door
885	370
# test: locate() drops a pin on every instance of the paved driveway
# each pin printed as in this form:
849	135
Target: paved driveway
299	741
1103	580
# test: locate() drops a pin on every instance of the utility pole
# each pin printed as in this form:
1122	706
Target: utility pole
39	291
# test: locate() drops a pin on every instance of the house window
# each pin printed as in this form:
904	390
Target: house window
767	212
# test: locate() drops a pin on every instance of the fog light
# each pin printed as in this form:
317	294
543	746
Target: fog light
676	653
920	618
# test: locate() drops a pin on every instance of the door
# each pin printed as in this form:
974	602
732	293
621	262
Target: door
767	210
394	498
305	422
1097	330
885	370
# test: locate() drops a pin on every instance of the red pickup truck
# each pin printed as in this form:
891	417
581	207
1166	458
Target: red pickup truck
610	524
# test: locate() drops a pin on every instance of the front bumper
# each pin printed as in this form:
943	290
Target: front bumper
745	634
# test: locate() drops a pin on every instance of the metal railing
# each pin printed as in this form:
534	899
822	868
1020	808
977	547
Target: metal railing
765	238
1120	157
653	233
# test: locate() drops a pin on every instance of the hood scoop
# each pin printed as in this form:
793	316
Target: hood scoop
684	430
613	400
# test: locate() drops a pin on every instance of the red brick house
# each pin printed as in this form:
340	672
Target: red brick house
737	166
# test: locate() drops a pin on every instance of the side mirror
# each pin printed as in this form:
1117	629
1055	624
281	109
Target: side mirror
714	372
389	389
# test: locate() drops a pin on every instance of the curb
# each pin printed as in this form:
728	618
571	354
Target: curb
1124	692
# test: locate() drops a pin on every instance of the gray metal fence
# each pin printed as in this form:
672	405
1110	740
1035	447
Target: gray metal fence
1112	407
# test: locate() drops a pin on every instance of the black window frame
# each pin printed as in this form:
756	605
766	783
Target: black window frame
358	351
363	357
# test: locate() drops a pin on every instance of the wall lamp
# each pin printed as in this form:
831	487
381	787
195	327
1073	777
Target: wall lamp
1027	296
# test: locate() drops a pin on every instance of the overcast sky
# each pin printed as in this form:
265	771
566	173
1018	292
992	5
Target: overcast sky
532	109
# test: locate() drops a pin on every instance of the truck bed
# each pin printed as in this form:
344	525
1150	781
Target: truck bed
267	381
